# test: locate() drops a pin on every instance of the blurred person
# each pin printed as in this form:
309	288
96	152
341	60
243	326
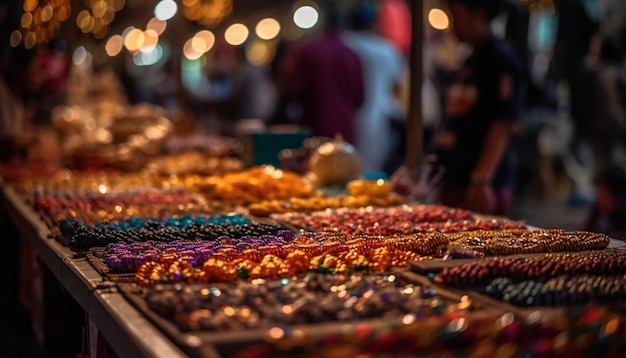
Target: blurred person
238	88
18	83
608	213
327	81
481	110
384	75
598	113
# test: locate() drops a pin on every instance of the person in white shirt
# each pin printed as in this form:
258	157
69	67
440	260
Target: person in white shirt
384	71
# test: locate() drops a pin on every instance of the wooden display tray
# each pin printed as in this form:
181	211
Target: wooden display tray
228	342
95	260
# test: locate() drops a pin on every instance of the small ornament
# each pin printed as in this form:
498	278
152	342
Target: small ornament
335	163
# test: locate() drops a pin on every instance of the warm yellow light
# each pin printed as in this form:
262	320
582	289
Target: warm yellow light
150	40
62	13
87	23
108	16
438	19
30	5
157	25
236	34
190	3
117	5
203	41
46	13
258	53
114	45
198	44
30	40
98	25
276	333
16	38
102	32
82	19
189	52
134	40
267	28
99	8
26	20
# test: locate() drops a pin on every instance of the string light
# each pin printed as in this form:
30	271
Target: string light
40	22
207	12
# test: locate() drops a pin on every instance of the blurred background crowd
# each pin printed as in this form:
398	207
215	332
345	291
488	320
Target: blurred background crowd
327	67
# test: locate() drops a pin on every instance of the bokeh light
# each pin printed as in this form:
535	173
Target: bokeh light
305	17
258	53
26	20
150	41
114	45
46	13
30	5
203	41
267	29
157	25
189	52
134	40
16	38
165	10
79	56
236	34
438	19
148	58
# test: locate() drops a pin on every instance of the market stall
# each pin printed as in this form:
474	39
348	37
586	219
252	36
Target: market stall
173	245
181	266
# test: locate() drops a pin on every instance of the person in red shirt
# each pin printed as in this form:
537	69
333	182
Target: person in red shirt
327	83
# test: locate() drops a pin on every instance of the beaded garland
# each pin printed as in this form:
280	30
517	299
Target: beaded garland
592	332
551	280
396	221
268	256
82	236
510	242
313	298
51	205
281	255
560	291
136	222
537	268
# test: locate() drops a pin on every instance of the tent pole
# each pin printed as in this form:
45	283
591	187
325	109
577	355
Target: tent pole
414	117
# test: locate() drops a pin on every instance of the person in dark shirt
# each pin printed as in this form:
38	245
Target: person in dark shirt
608	213
482	106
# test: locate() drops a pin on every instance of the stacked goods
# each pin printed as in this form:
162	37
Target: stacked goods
396	221
14	172
591	332
282	254
250	186
268	207
510	242
550	280
193	163
50	205
314	298
362	193
82	236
